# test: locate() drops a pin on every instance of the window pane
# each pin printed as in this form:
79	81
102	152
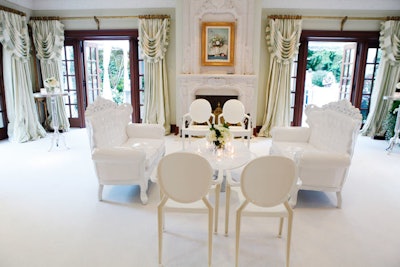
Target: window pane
367	87
369	71
1	120
141	82
73	97
71	69
141	67
72	82
74	111
69	52
371	55
365	102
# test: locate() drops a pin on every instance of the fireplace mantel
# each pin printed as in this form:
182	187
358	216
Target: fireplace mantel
190	85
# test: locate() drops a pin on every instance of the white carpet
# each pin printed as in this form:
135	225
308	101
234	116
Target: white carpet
50	216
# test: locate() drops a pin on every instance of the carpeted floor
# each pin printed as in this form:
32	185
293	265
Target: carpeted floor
50	216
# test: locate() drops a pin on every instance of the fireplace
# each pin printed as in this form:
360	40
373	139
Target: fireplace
216	88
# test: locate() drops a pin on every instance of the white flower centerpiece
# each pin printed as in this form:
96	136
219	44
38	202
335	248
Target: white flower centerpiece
219	135
52	85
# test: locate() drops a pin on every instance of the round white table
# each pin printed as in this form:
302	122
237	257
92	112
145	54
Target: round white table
235	154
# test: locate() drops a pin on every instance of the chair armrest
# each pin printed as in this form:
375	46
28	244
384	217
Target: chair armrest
142	130
324	159
185	118
118	155
291	134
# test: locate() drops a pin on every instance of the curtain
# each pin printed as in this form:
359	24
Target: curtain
387	78
153	42
283	35
48	38
24	123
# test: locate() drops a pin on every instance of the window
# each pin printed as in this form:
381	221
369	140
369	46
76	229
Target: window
371	70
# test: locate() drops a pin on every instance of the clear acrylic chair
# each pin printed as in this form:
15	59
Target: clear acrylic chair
266	183
185	180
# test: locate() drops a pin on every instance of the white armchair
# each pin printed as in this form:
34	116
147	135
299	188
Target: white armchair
123	153
324	149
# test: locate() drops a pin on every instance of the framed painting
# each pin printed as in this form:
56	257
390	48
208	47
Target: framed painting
218	43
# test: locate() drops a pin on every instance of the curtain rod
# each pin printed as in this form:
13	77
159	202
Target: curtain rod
97	18
331	17
12	11
104	17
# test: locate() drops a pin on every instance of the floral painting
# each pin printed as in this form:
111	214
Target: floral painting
218	43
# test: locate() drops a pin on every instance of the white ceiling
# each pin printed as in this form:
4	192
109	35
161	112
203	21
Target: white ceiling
287	4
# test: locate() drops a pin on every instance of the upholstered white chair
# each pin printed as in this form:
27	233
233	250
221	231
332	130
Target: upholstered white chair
266	183
240	124
185	180
324	149
197	121
123	153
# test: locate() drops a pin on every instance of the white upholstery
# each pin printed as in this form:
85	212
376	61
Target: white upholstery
197	121
240	124
325	148
266	183
185	180
123	153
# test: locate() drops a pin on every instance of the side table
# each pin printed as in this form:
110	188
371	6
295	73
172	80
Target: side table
54	117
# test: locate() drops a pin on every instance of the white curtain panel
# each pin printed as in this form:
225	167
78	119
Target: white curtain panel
48	38
283	37
387	78
23	124
153	42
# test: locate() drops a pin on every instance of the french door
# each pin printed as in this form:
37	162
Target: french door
359	66
347	71
82	72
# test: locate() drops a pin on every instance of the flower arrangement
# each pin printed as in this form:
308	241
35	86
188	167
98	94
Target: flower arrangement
51	84
217	41
219	135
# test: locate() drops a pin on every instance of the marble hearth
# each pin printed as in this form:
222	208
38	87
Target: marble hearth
189	86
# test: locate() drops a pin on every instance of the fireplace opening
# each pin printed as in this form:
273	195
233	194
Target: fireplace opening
217	102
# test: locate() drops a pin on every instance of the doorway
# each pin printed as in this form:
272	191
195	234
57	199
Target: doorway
330	72
334	65
103	62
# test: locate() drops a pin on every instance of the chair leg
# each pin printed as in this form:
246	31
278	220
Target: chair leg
339	199
216	207
238	224
143	193
160	217
100	192
227	207
210	228
280	227
293	197
289	233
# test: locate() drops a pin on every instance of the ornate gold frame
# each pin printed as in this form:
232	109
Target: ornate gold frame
218	43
